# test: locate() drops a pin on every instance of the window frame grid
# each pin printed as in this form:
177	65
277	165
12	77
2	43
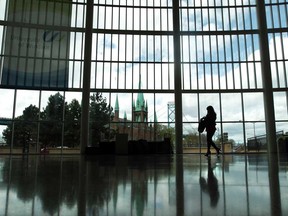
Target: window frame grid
246	62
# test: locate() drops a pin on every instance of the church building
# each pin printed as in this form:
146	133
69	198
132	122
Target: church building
139	127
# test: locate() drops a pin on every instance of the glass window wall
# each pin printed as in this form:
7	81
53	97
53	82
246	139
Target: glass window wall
133	75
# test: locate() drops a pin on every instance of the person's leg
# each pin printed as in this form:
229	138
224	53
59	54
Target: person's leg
211	143
218	150
214	146
209	140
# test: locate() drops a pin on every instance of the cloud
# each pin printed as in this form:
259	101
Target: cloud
251	76
277	46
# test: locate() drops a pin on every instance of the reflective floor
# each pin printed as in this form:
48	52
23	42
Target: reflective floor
144	185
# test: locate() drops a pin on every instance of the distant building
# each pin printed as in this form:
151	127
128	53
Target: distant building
258	143
139	127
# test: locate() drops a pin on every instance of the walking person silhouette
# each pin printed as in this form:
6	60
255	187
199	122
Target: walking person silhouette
210	124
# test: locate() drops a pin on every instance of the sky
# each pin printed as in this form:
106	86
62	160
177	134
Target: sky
146	49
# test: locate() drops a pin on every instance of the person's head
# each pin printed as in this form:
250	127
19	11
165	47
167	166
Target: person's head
210	109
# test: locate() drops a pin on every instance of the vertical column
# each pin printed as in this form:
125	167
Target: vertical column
180	203
82	195
267	79
86	77
274	185
177	75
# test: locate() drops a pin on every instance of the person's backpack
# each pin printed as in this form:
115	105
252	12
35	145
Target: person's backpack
201	125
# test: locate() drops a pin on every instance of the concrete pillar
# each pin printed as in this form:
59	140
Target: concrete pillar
177	76
267	78
86	77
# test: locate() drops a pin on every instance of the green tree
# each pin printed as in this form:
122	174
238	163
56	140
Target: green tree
164	131
52	120
72	124
101	114
191	139
54	109
57	114
25	128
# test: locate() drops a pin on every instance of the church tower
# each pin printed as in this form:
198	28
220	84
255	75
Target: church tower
140	108
140	128
116	110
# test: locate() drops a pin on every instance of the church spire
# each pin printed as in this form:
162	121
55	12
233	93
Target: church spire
116	109
116	104
140	102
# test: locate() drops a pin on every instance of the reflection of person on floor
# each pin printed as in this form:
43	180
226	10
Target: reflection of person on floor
210	185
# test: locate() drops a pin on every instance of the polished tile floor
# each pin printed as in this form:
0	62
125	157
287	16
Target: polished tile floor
144	185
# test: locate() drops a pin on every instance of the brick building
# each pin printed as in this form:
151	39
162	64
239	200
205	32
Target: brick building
139	127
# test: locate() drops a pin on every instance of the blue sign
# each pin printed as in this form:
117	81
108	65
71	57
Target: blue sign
36	57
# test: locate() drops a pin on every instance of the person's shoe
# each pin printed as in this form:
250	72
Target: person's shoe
207	154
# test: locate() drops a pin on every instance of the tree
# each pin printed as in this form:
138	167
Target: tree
166	132
52	121
54	109
191	139
72	124
25	128
57	114
101	114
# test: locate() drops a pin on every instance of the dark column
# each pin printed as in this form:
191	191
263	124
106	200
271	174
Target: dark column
267	79
82	196
274	185
86	77
177	76
179	186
